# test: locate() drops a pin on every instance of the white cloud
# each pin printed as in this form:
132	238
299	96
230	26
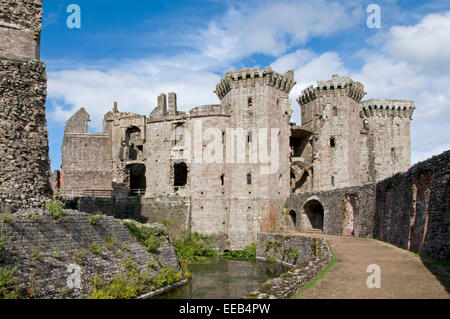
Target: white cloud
426	44
135	91
272	27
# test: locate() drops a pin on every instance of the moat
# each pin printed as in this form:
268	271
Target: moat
225	279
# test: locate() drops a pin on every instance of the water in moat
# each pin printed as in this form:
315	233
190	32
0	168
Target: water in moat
224	279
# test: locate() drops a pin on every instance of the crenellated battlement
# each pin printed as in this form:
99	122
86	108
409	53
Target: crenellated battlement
384	107
354	90
242	78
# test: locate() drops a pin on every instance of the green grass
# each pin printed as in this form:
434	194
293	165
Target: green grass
7	289
319	276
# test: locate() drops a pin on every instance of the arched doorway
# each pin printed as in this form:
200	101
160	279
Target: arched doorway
315	213
138	182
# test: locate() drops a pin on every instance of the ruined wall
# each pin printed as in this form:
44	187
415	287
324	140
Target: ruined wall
172	211
24	163
412	209
349	211
42	248
20	29
86	162
313	255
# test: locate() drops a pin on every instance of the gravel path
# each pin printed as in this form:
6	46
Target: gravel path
403	274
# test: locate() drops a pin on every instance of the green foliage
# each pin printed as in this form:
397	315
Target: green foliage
56	208
94	219
149	237
290	253
79	256
167	276
248	253
130	264
7	219
36	254
271	259
95	249
7	289
275	245
133	283
195	248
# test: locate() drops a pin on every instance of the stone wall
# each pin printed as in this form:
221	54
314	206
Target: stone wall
307	256
349	210
42	248
412	209
173	212
24	163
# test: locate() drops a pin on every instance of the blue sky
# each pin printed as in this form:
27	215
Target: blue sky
131	51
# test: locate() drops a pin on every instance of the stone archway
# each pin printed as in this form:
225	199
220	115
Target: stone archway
315	214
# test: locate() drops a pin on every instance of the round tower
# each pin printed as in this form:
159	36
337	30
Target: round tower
259	107
331	112
24	160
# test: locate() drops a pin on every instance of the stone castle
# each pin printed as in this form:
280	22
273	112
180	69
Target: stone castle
341	142
345	170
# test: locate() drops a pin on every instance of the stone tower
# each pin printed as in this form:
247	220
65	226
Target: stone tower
258	101
354	142
24	160
332	112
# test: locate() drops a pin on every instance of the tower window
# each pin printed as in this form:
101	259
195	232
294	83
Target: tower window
250	102
335	111
393	153
223	137
249	179
250	136
332	181
332	142
222	179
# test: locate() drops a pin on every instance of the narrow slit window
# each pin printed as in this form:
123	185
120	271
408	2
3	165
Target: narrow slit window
250	102
332	142
222	179
250	136
249	179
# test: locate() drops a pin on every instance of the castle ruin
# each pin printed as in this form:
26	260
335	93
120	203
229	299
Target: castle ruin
342	142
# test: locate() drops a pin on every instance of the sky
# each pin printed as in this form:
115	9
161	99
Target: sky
131	51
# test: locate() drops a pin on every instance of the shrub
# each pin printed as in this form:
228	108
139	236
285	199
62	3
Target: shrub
195	248
248	253
56	208
93	219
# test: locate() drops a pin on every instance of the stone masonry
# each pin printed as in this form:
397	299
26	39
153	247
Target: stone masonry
24	161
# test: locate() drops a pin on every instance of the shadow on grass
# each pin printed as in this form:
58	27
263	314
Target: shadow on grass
440	270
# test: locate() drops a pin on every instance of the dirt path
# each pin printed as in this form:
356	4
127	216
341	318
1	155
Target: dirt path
403	275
